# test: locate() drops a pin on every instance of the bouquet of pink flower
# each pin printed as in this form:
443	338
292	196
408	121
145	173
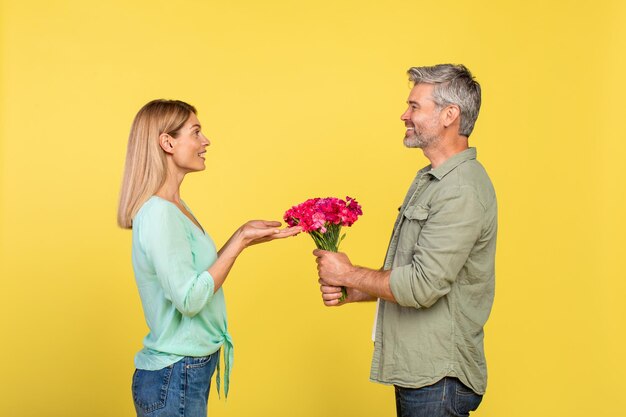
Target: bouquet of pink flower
323	218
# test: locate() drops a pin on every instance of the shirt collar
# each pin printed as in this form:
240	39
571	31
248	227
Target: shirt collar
453	162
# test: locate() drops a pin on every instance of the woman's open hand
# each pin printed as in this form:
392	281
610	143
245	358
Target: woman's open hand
251	233
259	231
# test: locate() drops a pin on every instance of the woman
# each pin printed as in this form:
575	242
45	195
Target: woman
178	271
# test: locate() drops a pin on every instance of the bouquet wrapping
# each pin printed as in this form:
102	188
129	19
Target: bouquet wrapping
322	219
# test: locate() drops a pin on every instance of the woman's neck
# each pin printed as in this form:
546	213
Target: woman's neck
170	190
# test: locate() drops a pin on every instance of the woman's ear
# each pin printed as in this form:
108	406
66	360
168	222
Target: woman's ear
165	141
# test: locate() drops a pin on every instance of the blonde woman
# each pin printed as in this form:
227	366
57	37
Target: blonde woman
178	270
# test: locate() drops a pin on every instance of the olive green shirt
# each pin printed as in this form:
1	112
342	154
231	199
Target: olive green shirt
441	256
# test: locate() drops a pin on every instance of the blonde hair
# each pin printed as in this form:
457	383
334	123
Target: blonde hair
146	167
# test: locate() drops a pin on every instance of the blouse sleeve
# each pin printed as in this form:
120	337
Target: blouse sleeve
164	238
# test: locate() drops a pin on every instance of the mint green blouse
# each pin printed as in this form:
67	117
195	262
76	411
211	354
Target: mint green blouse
184	313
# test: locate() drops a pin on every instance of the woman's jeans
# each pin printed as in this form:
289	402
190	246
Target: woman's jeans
179	390
447	398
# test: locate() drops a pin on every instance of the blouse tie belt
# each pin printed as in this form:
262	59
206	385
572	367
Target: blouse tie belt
228	362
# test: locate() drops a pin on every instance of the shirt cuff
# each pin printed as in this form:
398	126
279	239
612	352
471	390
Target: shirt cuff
202	293
401	286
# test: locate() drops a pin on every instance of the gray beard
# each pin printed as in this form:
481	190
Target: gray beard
412	142
415	141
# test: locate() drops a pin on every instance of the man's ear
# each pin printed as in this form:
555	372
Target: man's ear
451	114
166	142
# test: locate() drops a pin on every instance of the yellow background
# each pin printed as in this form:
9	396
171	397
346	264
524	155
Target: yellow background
302	100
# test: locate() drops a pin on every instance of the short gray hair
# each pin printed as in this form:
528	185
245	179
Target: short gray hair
454	84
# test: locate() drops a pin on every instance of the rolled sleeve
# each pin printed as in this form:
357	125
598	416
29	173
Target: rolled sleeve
443	246
166	242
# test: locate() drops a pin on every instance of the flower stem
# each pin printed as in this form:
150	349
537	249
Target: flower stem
330	241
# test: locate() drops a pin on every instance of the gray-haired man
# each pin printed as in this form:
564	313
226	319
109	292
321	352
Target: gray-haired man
436	288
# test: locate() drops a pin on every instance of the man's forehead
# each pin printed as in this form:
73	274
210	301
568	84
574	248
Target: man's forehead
421	92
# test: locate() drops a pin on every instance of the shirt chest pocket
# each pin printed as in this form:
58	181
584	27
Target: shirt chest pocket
414	218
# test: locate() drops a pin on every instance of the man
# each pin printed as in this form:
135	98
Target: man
436	288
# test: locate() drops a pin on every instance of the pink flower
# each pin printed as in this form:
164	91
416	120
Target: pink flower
322	219
317	214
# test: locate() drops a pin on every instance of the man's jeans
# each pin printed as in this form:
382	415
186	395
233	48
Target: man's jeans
447	398
179	390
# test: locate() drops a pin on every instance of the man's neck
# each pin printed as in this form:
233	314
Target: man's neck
442	150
